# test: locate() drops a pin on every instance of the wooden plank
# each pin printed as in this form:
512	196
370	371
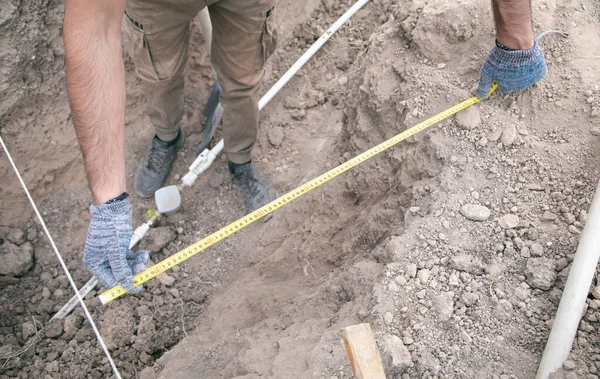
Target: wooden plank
362	350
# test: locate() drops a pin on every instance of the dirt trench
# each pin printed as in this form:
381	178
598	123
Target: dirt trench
387	243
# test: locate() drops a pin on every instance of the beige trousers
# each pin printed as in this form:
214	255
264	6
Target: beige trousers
157	35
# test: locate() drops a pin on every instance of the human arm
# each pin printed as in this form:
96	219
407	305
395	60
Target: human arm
513	23
517	60
96	87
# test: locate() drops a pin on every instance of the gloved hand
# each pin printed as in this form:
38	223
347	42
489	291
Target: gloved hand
514	70
106	252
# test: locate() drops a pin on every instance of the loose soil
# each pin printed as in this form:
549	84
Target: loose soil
455	245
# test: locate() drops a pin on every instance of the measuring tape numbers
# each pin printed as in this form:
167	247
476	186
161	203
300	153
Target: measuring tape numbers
228	230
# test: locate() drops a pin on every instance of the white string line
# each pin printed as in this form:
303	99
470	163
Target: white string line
62	263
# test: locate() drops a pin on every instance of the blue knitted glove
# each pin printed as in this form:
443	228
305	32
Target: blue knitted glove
513	70
106	252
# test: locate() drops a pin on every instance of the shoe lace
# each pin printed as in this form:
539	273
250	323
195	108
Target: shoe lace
250	181
157	155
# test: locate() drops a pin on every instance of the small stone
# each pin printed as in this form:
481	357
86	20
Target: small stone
569	365
401	280
469	298
408	340
298	114
596	292
146	339
28	329
534	187
423	276
72	324
573	230
496	134
165	279
537	250
523	291
46	293
475	212
52	367
561	264
157	238
174	292
54	329
443	304
503	310
196	296
508	135
540	273
16	260
595	131
411	270
595	304
569	218
469	118
396	356
343	80
393	287
148	372
509	221
441	65
117	326
548	216
276	135
467	263
15	235
388	318
453	279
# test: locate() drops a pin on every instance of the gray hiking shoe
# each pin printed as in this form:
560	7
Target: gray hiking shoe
256	189
152	171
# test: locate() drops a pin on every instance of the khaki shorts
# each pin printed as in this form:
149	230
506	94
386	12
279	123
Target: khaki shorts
157	36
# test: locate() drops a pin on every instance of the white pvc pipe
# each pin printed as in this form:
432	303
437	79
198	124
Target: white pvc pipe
576	291
206	27
310	52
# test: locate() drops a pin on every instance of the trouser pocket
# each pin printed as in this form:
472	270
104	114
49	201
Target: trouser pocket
269	36
136	43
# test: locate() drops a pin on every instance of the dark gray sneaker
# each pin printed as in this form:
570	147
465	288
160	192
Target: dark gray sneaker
152	171
256	189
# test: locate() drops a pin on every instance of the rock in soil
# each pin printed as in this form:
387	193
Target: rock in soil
509	221
509	135
275	135
16	260
469	118
396	357
475	212
443	304
157	238
540	273
503	310
468	263
118	326
54	329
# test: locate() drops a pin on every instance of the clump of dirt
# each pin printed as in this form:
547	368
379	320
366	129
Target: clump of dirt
455	245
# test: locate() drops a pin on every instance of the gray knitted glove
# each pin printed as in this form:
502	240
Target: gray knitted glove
106	252
514	70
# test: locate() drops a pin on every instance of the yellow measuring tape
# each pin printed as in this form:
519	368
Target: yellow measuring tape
223	233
